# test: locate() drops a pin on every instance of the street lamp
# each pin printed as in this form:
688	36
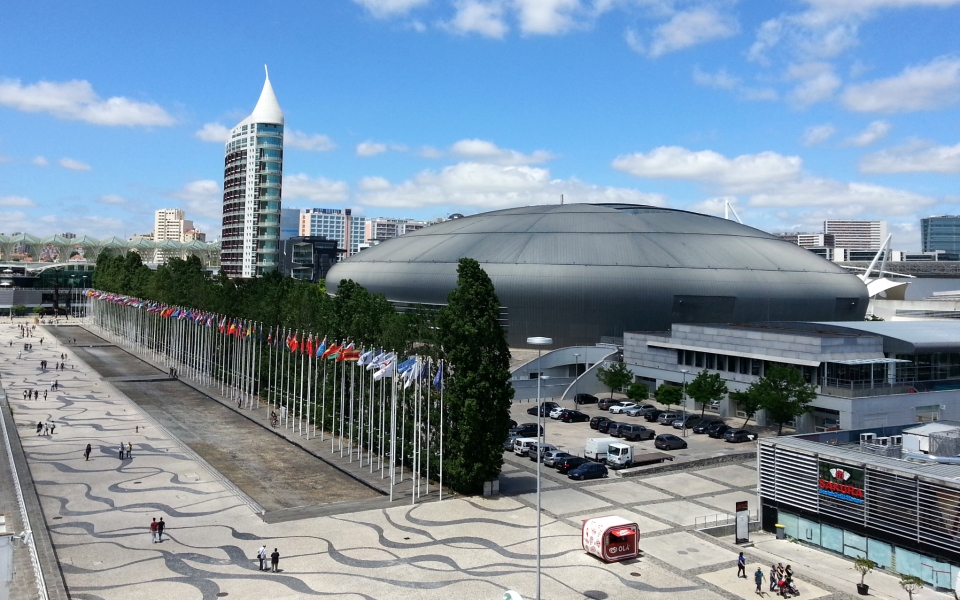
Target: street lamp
684	429
539	342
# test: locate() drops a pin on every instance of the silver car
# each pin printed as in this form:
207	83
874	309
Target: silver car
550	458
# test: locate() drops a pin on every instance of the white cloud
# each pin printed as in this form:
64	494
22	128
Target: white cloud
818	82
485	18
768	36
547	17
113	200
430	152
721	80
690	28
918	157
76	100
213	132
305	141
818	134
742	173
39	161
924	87
203	198
818	192
488	152
320	189
874	132
19	201
73	165
634	41
489	187
371	148
390	8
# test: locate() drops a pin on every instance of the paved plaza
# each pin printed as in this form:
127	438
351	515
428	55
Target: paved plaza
98	511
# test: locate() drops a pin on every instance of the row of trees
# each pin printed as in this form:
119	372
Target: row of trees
465	334
782	391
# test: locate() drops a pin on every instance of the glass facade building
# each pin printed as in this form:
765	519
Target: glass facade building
940	233
252	179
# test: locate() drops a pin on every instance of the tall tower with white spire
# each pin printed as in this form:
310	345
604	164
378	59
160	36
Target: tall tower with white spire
252	177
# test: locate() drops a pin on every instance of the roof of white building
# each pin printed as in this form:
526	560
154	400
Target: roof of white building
267	109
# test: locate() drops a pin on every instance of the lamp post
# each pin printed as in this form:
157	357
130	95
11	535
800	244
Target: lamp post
684	429
576	378
539	342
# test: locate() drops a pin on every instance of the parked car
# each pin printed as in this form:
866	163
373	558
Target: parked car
547	407
714	405
639	410
652	415
596	421
689	422
555	413
533	453
705	424
717	431
574	416
570	462
618	408
606	403
604	427
636	432
739	435
588	470
512	423
585	399
551	458
526	430
614	430
667	418
668	441
522	445
509	442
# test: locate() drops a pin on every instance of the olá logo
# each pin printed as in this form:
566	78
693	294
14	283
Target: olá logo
840	474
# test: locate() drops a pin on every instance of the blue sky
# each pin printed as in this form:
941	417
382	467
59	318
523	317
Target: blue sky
794	111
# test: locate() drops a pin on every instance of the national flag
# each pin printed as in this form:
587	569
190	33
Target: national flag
366	357
210	318
385	368
308	347
406	365
438	380
322	347
294	343
341	353
232	329
349	353
331	352
380	360
222	326
270	336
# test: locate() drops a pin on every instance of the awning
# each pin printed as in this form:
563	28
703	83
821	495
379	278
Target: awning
867	361
624	532
782	359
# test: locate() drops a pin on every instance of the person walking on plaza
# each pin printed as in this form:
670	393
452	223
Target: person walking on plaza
741	567
153	529
130	455
52	427
275	560
44	394
46	429
160	526
36	394
121	455
262	556
39	427
86	453
758	577
773	578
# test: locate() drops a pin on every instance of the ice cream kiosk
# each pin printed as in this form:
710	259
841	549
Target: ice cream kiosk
610	538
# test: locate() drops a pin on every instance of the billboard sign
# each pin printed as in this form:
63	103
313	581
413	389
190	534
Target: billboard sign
840	482
742	534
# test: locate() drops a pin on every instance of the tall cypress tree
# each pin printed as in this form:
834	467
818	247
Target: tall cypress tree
478	393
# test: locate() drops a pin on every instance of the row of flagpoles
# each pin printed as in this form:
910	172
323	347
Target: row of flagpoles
372	403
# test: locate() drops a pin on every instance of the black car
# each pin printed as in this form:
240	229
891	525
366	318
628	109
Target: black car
686	423
547	407
512	423
595	422
606	403
526	430
636	432
717	431
590	470
705	424
604	426
739	435
585	399
668	441
570	462
574	416
652	415
616	429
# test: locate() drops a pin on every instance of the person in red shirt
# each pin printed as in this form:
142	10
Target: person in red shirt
153	530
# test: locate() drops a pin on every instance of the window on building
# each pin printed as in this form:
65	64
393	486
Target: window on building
711	361
744	366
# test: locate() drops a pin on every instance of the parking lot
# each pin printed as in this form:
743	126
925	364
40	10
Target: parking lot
571	437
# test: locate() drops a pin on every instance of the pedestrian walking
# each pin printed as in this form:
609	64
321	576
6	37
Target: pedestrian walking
773	578
46	429
160	526
275	560
121	455
19	354
262	556
153	529
36	394
39	427
130	455
44	394
741	567
52	427
758	578
86	453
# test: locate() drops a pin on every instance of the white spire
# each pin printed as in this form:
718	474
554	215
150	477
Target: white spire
267	109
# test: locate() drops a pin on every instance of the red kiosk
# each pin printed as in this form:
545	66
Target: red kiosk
610	538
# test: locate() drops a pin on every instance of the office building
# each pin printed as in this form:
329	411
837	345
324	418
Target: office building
252	178
381	229
940	233
289	223
194	235
308	257
170	225
858	235
337	224
810	240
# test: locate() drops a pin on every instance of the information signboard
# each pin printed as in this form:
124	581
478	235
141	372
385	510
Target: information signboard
743	522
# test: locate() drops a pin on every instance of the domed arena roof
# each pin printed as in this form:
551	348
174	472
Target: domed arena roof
579	272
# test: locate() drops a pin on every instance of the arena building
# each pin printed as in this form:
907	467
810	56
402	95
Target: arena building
583	272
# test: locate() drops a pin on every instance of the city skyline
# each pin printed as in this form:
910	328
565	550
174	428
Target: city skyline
797	113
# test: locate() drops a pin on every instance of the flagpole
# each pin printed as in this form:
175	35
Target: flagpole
393	430
442	421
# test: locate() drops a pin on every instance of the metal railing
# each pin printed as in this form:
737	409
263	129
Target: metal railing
722	519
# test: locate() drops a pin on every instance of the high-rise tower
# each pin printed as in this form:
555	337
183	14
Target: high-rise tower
252	175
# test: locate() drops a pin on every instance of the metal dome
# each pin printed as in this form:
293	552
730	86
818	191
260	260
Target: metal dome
579	272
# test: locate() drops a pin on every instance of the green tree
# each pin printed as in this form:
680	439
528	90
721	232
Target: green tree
910	584
18	310
479	392
38	310
784	394
637	392
748	401
706	388
615	376
668	395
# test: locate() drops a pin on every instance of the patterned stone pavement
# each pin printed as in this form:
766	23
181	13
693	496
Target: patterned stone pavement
98	513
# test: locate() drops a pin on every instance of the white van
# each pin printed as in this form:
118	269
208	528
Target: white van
596	448
522	445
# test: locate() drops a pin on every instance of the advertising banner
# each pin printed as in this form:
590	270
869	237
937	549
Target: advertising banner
841	482
743	523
